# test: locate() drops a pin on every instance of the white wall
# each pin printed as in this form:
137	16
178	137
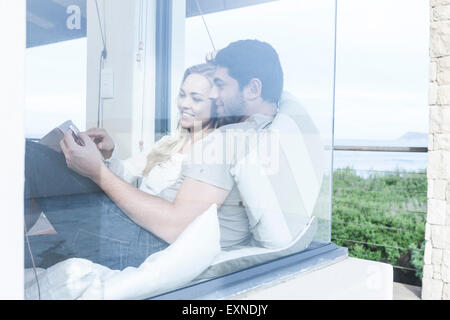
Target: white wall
122	115
12	100
130	115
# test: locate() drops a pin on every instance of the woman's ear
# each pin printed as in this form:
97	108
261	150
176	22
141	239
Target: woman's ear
253	90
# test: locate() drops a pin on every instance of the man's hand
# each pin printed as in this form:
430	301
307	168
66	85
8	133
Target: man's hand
86	161
103	141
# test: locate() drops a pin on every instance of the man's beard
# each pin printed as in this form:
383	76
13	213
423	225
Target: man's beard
235	111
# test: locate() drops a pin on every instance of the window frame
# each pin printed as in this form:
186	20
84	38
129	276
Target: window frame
163	67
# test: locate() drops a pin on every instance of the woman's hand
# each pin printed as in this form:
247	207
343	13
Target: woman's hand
85	160
105	144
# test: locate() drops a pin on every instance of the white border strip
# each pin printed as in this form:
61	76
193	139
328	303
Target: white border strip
12	100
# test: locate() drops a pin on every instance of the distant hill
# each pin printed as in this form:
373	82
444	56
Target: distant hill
414	135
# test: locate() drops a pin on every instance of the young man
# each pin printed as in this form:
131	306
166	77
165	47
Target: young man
247	86
248	79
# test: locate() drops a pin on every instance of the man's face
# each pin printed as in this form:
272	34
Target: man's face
229	99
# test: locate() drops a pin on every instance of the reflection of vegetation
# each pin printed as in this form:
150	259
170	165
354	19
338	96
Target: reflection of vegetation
381	217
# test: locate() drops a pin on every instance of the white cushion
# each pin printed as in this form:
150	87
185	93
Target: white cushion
280	191
231	261
192	252
267	223
280	195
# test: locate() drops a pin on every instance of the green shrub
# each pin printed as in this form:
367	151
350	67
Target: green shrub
381	217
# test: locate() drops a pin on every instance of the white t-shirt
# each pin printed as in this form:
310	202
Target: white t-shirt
159	178
165	180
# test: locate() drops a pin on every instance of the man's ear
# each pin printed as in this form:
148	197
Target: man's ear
253	90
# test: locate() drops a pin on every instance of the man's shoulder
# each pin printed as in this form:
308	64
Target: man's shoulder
254	122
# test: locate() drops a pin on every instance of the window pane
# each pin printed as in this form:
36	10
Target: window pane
302	32
382	78
55	86
242	178
382	101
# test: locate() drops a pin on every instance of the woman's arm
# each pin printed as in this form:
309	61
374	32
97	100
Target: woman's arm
130	169
164	219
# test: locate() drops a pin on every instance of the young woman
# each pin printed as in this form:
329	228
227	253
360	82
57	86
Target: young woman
89	224
158	168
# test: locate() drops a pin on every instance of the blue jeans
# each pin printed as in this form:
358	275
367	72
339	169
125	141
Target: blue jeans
88	223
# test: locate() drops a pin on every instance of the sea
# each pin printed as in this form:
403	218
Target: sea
366	162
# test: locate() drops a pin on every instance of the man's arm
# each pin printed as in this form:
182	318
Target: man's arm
164	219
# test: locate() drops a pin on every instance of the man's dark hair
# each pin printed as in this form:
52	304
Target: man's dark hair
247	59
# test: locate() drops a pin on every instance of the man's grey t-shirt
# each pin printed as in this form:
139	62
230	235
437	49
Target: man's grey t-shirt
210	162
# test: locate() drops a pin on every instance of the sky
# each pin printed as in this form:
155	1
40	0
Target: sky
55	86
381	71
382	68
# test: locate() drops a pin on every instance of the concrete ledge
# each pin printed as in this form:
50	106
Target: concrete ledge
406	292
350	278
317	256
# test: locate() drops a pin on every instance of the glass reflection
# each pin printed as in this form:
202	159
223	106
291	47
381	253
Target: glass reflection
241	181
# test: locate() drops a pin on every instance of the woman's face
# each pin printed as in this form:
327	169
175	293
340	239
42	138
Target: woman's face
194	103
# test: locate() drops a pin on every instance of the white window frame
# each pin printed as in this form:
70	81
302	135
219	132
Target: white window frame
12	99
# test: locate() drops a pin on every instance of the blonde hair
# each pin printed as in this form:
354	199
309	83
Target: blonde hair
167	146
